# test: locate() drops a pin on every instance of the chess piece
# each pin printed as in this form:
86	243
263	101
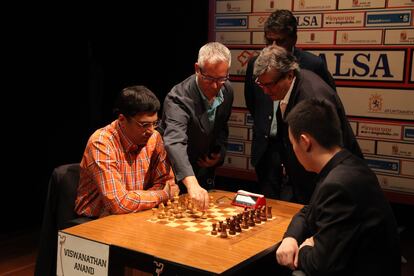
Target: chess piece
179	213
257	219
211	203
251	220
232	228
220	227
263	215
238	227
176	197
245	224
223	233
214	231
154	214
170	215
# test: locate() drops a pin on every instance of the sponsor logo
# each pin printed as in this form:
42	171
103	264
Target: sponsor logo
375	103
307	21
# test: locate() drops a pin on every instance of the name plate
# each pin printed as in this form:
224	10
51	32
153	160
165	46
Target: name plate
78	256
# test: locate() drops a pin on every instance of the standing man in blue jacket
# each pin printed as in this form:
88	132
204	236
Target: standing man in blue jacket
194	122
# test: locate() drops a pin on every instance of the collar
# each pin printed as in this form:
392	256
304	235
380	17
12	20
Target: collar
287	96
335	160
125	141
216	101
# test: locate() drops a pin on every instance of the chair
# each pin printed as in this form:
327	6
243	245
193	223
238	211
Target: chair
58	214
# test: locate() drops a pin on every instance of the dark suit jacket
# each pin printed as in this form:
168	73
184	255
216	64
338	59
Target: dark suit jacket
309	85
260	105
353	227
187	133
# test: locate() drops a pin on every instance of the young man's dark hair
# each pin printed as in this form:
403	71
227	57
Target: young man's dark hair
317	118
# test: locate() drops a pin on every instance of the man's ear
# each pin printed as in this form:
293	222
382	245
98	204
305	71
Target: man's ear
305	142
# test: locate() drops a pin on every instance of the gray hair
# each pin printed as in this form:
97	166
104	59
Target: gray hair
214	52
274	57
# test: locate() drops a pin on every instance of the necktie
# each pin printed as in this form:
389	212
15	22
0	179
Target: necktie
273	126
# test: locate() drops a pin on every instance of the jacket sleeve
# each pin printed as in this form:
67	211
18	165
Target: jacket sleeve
176	118
337	231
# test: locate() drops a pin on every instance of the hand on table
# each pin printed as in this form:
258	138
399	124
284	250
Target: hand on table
287	253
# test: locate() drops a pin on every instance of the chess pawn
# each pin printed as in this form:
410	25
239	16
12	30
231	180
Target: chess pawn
170	215
238	227
179	212
154	214
223	232
257	217
232	227
161	214
175	207
245	224
176	197
269	212
251	220
220	227
214	231
263	215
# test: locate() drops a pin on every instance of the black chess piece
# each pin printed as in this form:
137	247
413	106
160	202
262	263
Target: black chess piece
214	231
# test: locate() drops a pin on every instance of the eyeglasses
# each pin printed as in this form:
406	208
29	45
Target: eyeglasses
268	85
146	125
211	79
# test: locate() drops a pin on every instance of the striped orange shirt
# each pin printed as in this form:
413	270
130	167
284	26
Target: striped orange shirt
118	177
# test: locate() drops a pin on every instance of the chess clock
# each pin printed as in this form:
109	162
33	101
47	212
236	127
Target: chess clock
248	199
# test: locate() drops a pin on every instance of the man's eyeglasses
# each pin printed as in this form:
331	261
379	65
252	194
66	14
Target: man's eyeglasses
146	125
268	85
211	79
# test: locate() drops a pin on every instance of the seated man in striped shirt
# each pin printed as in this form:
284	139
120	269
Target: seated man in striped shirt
125	168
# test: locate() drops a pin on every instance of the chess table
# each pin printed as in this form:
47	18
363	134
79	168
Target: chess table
139	241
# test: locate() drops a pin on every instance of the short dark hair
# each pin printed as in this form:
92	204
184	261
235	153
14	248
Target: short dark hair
282	21
319	119
135	99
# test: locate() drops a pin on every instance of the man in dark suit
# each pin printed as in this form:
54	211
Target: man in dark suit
279	76
348	228
280	29
194	121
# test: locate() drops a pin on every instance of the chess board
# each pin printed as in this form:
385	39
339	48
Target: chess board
194	223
